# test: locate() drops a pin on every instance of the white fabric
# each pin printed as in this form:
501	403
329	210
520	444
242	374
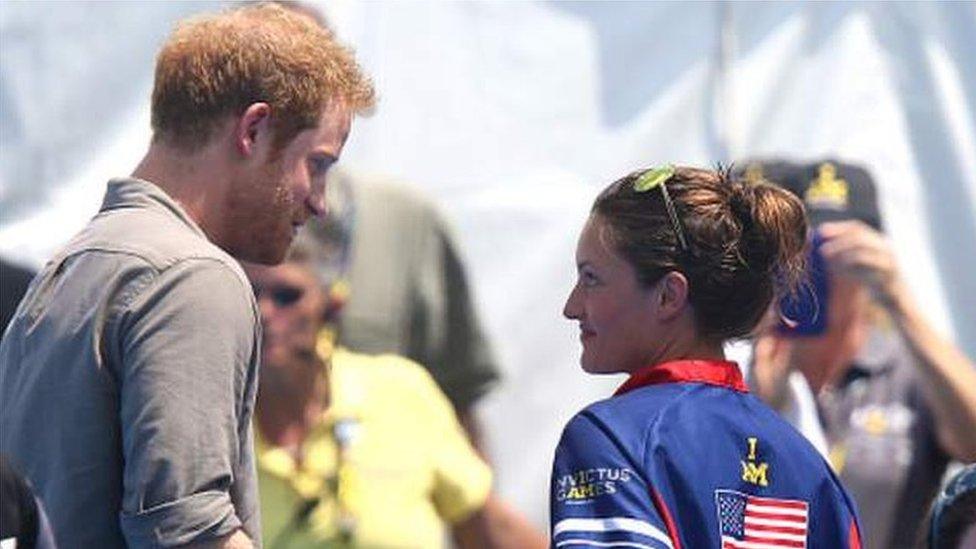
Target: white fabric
800	409
513	115
591	543
611	524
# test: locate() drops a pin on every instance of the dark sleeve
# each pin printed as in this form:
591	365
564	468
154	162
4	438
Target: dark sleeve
448	337
597	498
18	510
186	344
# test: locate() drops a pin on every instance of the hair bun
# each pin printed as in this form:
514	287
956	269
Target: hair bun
742	201
778	220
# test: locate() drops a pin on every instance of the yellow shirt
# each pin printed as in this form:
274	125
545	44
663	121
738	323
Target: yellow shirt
404	467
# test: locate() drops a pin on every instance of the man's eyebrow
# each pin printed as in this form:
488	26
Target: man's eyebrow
322	153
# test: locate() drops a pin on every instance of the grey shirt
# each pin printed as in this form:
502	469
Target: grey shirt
409	291
128	378
883	441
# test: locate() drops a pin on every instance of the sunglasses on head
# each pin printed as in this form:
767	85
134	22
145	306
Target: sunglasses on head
281	296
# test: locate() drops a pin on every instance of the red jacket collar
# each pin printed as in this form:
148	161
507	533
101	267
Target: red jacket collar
723	373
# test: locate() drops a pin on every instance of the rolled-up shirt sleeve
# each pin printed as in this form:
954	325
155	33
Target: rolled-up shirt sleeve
186	345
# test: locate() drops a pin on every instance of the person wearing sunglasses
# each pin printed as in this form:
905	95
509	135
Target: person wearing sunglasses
358	450
671	263
426	312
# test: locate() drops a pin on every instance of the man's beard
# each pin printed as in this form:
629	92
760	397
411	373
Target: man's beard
260	213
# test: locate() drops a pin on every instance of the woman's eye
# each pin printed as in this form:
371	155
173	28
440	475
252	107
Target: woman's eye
589	279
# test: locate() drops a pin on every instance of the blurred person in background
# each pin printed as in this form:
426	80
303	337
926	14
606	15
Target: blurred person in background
357	450
128	375
672	262
897	401
407	291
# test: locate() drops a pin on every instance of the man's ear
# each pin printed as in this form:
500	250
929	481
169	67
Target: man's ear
253	129
672	295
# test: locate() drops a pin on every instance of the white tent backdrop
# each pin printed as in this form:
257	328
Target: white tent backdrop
514	115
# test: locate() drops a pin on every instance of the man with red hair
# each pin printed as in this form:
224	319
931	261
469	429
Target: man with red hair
128	375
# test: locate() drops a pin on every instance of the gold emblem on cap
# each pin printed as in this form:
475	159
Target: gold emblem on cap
827	190
754	173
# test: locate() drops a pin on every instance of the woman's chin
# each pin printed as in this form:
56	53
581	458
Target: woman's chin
597	365
596	368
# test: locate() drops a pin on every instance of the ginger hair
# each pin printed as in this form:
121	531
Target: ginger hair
217	65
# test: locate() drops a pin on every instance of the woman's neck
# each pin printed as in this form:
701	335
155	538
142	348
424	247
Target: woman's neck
705	350
690	349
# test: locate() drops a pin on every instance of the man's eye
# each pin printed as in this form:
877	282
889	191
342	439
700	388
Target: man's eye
589	279
319	166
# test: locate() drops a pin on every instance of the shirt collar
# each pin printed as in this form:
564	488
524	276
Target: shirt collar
722	373
129	192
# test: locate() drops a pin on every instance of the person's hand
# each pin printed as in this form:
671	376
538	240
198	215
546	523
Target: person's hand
852	248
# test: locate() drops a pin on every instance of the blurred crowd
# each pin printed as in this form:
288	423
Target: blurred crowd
373	359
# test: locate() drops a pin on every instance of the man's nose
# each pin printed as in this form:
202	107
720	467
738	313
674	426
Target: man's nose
316	199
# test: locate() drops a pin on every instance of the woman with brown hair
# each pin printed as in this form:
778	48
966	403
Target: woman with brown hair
672	262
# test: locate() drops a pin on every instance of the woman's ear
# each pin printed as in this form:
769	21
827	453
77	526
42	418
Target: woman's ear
672	295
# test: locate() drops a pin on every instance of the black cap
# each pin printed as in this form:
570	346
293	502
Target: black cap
831	190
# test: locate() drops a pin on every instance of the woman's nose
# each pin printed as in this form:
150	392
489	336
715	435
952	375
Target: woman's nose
571	308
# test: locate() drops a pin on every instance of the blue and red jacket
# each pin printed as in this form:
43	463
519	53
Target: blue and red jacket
682	456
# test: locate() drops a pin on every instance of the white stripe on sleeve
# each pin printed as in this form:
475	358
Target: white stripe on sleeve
591	543
612	524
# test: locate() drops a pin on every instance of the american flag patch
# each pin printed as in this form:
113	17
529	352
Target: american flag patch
750	522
